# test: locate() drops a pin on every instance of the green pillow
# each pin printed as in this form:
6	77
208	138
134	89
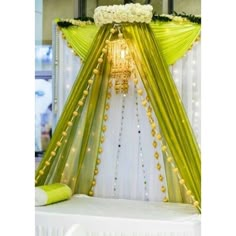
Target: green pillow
48	194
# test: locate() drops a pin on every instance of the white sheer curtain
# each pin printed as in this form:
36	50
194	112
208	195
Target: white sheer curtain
187	76
66	68
128	166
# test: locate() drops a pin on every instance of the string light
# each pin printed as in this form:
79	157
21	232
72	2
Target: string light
175	71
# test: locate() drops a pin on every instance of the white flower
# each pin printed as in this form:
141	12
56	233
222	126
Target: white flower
123	13
177	18
130	18
142	18
168	16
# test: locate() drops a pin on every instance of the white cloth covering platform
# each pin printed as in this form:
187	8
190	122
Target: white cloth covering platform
113	217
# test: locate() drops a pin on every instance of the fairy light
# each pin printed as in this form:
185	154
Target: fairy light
175	71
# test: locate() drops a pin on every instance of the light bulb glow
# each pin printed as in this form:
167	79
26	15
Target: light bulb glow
122	54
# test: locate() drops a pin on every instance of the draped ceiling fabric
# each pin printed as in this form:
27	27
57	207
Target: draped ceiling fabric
72	154
174	38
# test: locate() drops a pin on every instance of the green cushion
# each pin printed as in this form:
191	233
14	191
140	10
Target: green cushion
52	193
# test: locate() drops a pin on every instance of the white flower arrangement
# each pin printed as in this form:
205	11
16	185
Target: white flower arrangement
123	13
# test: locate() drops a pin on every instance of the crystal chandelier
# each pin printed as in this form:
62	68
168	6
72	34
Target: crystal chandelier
121	65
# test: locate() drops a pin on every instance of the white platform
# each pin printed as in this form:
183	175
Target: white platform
113	217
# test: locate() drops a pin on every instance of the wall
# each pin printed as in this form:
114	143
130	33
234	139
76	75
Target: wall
91	4
53	9
188	6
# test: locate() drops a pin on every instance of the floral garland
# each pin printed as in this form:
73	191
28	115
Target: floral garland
81	21
177	18
123	13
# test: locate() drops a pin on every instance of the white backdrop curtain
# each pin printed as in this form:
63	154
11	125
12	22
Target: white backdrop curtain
128	167
187	76
128	155
65	70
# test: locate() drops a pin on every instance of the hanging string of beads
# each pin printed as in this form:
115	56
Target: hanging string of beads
148	110
102	139
145	182
171	161
117	158
197	40
75	113
159	138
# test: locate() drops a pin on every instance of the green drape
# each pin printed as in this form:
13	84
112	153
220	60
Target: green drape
174	38
80	38
74	163
166	103
75	160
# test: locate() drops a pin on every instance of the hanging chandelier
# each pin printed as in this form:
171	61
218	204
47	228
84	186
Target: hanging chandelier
121	65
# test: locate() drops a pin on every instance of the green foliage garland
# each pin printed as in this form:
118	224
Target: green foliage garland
176	17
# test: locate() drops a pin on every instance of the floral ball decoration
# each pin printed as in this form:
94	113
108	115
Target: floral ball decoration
123	13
